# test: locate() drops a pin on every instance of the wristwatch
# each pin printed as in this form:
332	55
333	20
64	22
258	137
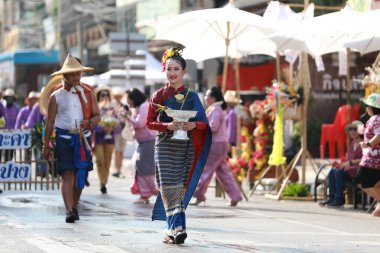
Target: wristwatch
368	144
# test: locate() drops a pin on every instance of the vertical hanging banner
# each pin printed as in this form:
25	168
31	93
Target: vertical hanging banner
342	63
319	63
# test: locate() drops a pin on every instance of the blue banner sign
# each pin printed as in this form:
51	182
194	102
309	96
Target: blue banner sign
15	139
11	171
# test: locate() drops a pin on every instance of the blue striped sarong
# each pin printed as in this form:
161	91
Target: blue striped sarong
179	165
174	159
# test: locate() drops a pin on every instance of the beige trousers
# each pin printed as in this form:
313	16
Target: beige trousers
103	154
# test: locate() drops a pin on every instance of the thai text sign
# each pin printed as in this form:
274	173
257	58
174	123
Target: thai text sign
11	171
16	139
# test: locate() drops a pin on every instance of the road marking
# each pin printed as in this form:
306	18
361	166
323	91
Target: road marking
62	245
299	223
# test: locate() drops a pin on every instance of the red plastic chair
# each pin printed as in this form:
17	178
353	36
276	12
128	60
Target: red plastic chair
334	133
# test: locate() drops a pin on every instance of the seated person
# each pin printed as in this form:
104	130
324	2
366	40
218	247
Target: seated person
345	172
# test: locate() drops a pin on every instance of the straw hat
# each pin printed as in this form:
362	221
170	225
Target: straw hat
372	100
118	91
230	97
9	93
101	88
32	94
46	92
354	124
71	65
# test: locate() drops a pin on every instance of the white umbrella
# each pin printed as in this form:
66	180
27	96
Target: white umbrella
368	39
226	31
319	35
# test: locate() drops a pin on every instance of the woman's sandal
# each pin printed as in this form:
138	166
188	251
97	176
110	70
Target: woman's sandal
180	239
168	239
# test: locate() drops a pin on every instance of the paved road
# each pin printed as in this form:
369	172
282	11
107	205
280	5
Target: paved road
33	221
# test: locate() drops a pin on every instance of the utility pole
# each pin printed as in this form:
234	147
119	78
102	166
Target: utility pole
79	36
3	25
58	31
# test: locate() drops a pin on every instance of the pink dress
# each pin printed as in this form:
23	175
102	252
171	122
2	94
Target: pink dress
217	158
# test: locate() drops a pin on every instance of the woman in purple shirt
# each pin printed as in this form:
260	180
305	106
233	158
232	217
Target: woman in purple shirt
217	157
143	166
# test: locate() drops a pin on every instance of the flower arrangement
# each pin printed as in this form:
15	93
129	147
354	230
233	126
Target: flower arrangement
239	165
2	122
108	121
160	108
37	135
261	112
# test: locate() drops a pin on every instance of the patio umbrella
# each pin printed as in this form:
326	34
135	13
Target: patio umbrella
367	40
226	31
319	35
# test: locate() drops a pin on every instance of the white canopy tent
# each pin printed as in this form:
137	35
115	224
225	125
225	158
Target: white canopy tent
153	73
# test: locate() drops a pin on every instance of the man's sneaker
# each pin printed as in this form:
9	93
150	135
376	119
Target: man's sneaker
70	217
116	174
103	189
335	204
76	214
325	202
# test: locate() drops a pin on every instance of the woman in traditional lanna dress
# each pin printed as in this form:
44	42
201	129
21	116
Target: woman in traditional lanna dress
143	171
179	163
217	159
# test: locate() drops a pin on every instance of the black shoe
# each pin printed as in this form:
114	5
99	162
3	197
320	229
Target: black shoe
116	174
180	239
70	217
76	214
1	191
103	189
335	204
87	183
325	202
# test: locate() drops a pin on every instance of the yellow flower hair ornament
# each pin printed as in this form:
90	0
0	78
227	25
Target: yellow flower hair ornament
169	53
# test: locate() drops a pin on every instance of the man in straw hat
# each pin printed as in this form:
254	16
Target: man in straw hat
231	118
73	111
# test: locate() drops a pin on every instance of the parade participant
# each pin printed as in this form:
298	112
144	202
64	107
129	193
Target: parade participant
217	158
231	118
104	135
346	171
24	112
10	108
72	110
179	163
10	115
369	172
120	142
143	172
35	116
